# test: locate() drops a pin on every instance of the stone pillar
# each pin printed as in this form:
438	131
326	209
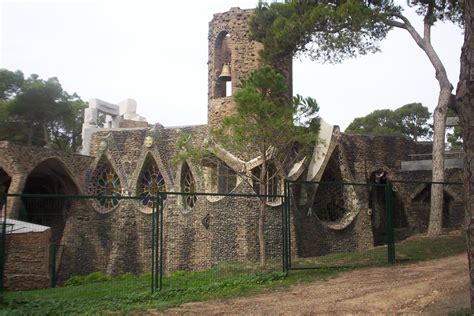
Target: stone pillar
14	203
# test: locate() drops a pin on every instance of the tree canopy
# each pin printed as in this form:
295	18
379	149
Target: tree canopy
333	30
267	118
39	112
410	120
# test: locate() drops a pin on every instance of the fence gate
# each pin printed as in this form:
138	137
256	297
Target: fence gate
326	224
207	238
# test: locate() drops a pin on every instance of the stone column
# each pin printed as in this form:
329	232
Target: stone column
14	203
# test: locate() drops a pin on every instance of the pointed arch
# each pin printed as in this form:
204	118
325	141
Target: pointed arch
106	185
150	181
222	56
328	200
421	202
188	185
53	179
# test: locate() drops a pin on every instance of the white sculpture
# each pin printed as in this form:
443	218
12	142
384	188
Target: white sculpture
114	114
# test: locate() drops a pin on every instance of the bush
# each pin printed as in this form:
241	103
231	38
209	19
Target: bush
94	277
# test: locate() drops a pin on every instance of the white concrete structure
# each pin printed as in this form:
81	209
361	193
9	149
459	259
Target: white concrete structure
114	114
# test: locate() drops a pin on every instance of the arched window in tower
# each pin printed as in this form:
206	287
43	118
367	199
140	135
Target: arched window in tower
105	184
150	182
188	186
222	66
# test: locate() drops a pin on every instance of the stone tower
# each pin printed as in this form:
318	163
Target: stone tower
229	43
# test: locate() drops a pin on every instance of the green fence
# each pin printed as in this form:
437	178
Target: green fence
327	224
412	209
215	240
173	241
122	244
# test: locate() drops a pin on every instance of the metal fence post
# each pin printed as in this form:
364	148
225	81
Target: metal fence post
52	267
161	198
153	218
389	222
3	236
283	231
288	226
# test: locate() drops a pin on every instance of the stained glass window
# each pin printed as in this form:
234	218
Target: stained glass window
106	184
188	186
150	183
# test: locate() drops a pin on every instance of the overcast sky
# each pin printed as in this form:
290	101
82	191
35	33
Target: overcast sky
156	53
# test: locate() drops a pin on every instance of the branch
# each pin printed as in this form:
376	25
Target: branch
428	22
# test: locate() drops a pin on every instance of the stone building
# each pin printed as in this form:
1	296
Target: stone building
128	157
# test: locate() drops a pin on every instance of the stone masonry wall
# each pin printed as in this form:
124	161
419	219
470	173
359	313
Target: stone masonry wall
27	261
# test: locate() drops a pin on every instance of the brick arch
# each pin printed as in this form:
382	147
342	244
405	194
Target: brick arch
51	169
51	179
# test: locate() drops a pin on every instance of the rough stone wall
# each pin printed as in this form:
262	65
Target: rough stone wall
366	154
317	234
109	239
27	261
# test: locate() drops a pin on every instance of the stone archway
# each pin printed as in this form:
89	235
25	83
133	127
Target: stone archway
51	179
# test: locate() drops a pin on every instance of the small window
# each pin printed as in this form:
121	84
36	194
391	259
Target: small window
188	186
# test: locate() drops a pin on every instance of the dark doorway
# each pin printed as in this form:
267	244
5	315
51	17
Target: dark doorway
51	180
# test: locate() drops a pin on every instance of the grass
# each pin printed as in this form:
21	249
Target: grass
96	294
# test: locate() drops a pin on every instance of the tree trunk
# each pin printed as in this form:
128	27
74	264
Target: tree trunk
439	116
261	215
439	122
465	109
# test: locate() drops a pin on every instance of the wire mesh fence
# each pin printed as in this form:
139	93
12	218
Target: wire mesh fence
117	245
335	223
63	241
331	222
413	213
220	240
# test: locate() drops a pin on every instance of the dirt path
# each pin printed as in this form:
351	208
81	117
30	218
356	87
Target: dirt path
433	287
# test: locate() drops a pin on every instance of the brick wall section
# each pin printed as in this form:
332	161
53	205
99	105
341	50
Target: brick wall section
27	261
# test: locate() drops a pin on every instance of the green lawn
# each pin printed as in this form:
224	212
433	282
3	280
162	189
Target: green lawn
130	293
